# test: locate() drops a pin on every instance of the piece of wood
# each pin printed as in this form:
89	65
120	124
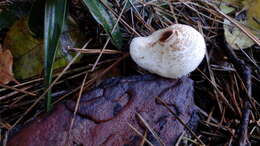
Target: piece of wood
105	113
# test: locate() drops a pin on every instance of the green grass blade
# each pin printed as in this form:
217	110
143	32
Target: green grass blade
55	12
105	19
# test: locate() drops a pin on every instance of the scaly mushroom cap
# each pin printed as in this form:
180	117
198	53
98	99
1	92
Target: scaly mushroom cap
171	52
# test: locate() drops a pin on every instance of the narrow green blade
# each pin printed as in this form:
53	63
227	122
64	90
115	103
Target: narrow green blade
55	13
105	19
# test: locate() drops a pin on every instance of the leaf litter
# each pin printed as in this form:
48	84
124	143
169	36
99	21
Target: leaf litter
218	85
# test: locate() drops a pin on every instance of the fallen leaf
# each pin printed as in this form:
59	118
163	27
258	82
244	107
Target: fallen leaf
28	51
228	6
235	37
226	9
253	16
6	63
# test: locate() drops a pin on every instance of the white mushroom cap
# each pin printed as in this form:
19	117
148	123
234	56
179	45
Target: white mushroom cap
171	52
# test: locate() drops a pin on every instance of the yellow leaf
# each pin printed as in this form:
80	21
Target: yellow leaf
253	16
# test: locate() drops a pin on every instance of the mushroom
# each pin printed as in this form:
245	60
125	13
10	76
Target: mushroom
171	52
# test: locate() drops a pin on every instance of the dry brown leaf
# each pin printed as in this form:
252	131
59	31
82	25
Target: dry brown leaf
6	63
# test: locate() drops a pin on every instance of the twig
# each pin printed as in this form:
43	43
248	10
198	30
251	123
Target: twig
95	51
76	107
150	129
143	140
139	133
18	90
245	72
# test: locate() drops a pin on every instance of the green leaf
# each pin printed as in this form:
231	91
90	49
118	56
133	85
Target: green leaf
55	12
235	37
104	18
28	52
